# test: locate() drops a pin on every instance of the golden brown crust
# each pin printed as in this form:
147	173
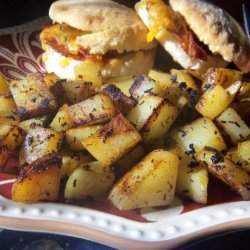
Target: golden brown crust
108	25
217	29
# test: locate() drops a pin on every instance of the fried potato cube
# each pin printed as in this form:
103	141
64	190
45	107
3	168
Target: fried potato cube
39	181
193	137
4	88
89	180
124	83
221	76
96	109
62	120
184	78
50	79
72	160
213	101
75	136
13	138
145	107
159	122
129	160
112	141
192	180
164	80
240	155
41	121
151	182
225	170
122	102
142	86
233	126
32	97
77	91
41	141
8	109
90	72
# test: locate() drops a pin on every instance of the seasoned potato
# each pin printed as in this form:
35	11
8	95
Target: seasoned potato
90	72
226	171
158	124
129	160
221	76
33	122
4	88
122	102
164	80
38	181
96	109
50	79
193	137
145	107
72	160
184	78
41	141
112	141
150	183
32	97
89	180
233	126
8	109
124	83
75	136
142	86
62	120
13	138
77	91
59	93
192	180
213	101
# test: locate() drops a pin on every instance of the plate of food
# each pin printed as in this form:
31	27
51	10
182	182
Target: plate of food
100	138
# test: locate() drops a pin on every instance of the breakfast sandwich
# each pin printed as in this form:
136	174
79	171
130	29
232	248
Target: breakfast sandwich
100	31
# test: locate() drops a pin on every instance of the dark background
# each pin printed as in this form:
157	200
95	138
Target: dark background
13	12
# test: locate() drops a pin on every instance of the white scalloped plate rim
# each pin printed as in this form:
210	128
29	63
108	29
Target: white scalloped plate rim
113	230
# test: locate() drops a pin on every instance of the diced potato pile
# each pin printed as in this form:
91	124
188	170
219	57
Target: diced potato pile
138	140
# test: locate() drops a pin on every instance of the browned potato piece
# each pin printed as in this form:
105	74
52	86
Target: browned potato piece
72	160
32	97
150	183
96	109
192	180
122	102
184	78
89	180
112	141
159	122
50	79
9	142
122	82
77	91
39	181
75	136
41	141
62	120
213	101
164	80
129	160
226	171
33	122
90	72
193	137
8	109
221	76
4	89
233	126
142	86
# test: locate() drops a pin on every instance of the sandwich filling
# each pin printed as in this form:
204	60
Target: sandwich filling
161	16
